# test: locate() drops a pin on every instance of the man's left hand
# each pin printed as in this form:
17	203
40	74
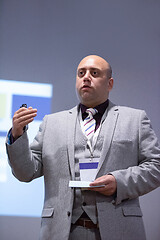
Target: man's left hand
110	185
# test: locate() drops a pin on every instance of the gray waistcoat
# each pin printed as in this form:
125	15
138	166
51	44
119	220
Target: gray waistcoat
84	200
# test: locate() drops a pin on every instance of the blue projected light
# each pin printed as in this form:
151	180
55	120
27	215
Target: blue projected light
3	134
43	104
17	198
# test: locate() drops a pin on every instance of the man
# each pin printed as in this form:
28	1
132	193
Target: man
123	147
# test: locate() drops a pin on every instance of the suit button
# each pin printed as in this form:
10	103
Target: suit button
84	203
68	213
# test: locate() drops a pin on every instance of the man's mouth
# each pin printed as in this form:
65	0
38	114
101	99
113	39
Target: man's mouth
86	87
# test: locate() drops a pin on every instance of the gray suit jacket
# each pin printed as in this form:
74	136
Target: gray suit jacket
130	152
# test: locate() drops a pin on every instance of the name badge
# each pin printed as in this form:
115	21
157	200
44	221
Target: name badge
88	168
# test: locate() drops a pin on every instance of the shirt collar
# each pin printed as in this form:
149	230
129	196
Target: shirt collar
100	108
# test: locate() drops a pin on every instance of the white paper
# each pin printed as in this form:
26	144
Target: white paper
82	184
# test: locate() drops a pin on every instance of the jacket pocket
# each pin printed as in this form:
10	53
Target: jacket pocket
47	212
132	211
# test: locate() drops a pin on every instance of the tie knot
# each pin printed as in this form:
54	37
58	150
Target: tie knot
92	111
90	123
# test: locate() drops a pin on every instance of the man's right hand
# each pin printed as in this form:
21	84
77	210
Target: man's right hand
21	118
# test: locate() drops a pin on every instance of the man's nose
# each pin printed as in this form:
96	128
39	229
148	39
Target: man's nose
87	76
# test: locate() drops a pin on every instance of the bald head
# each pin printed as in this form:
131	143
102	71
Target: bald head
99	61
94	80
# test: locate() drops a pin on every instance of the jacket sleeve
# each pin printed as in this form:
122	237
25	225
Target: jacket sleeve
26	161
143	178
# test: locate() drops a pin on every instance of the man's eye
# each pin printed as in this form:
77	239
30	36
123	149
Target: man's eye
94	73
81	73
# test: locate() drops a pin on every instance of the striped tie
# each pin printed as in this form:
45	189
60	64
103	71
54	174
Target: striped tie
90	122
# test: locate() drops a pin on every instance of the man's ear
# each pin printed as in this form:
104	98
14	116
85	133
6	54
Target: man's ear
110	84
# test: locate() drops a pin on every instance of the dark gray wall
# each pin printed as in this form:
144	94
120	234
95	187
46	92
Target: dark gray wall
43	41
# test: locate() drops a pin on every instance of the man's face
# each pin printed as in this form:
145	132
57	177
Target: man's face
92	83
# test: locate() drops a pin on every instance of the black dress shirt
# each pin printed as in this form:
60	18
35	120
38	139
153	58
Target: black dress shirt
98	116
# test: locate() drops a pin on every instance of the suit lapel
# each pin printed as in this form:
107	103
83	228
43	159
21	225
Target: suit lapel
109	125
71	126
